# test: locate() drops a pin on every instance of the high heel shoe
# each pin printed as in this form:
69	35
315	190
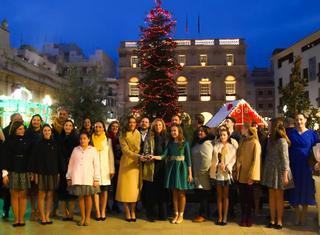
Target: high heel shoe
174	220
180	218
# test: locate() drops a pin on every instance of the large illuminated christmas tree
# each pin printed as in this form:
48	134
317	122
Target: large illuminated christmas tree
158	89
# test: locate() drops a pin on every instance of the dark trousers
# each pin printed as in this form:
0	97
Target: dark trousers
203	197
6	199
155	200
246	200
233	198
114	184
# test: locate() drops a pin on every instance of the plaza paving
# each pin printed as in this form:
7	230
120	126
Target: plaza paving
115	225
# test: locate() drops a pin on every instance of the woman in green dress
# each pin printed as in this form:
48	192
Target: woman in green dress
178	174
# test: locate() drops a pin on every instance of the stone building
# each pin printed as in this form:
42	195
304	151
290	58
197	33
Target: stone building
214	71
308	49
260	91
28	81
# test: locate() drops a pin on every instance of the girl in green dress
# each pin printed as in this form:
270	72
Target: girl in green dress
178	174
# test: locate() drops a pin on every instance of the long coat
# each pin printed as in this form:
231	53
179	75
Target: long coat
249	160
230	160
129	184
201	163
106	159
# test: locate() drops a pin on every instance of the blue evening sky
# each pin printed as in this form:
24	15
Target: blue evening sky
95	24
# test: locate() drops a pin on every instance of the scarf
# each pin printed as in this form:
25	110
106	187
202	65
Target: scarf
57	125
98	141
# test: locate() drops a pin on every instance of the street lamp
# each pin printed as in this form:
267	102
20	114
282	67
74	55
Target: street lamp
285	109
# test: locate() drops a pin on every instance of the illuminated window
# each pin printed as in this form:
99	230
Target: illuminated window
230	82
182	60
134	61
203	60
229	59
205	89
134	89
182	88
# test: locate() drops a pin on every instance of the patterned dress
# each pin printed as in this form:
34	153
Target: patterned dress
276	162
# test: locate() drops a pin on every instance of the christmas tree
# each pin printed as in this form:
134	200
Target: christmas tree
158	95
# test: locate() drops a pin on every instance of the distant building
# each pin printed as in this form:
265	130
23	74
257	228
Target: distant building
63	52
260	91
70	56
214	71
308	49
28	81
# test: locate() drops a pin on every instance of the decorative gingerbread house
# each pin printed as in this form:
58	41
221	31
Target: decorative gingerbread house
240	110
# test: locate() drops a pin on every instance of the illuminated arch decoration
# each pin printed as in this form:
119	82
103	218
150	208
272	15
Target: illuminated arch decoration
20	101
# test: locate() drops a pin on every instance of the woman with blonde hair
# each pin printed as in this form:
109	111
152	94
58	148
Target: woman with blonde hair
153	172
248	171
276	171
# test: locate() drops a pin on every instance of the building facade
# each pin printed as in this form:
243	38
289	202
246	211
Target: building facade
28	81
213	71
282	59
68	56
260	91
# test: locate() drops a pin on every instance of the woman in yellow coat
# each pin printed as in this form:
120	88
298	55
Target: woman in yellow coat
248	171
128	188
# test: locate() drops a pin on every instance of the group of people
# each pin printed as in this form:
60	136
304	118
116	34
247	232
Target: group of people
157	163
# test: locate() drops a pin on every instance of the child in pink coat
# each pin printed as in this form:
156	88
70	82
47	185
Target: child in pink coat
84	176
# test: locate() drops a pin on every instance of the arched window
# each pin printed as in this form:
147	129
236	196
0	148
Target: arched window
230	82
133	89
182	88
205	89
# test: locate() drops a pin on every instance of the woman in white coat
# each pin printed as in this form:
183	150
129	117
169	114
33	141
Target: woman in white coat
104	147
223	159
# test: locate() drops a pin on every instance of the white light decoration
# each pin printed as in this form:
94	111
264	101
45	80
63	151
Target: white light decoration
130	44
226	42
182	98
285	109
183	42
205	98
21	93
133	99
207	116
205	42
230	98
47	100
